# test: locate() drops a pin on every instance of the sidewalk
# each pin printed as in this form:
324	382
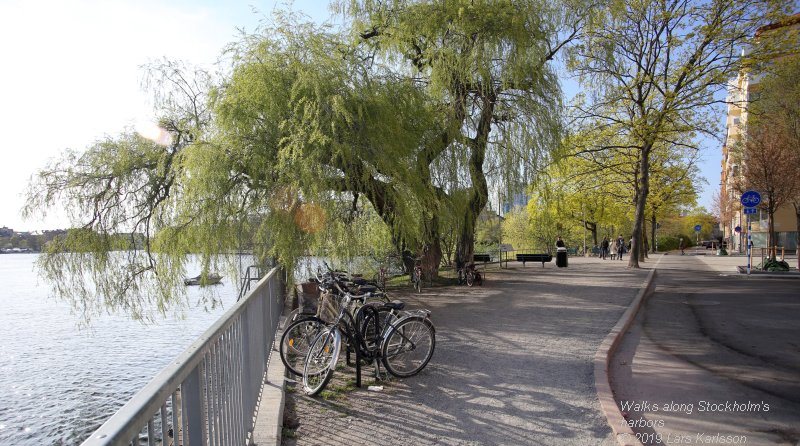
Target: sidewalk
713	357
513	365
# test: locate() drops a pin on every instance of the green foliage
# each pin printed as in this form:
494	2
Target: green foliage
773	265
699	216
488	232
516	228
313	143
547	222
672	242
654	69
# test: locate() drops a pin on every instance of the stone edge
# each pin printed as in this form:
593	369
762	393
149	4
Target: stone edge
602	358
268	428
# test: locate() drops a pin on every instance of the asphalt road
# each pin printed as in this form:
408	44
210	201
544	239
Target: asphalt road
713	358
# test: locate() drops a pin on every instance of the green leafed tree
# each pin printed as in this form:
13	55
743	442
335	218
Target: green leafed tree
486	67
308	139
656	69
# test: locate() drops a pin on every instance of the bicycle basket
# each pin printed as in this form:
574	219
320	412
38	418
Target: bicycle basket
308	297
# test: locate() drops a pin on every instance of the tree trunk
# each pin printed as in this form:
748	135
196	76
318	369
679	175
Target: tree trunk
432	252
771	254
641	202
592	227
479	192
643	240
653	224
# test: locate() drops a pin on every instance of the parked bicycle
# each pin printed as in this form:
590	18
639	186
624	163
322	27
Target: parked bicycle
468	275
402	340
416	274
302	328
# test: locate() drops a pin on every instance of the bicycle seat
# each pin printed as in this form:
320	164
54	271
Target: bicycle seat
396	305
367	289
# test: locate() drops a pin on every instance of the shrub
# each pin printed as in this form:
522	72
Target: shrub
671	242
774	265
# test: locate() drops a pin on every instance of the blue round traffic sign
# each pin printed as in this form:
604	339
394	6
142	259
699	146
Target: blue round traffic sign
738	229
697	228
751	199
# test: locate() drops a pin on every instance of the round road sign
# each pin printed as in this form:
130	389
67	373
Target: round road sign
697	228
751	199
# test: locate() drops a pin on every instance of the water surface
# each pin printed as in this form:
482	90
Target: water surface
59	383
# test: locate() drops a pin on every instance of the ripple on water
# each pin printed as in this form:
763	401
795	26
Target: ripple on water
71	381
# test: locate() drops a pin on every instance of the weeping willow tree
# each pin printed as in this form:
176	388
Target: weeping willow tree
311	117
486	67
127	198
307	143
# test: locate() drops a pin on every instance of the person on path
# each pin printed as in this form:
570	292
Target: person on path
620	246
604	248
682	246
613	250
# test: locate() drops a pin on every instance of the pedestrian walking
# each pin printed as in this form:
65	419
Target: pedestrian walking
613	250
682	246
604	248
620	246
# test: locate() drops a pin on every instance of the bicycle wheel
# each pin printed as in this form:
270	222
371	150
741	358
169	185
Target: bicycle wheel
470	278
320	362
408	346
292	317
296	340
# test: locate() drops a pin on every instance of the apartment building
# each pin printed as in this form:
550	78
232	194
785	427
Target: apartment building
733	221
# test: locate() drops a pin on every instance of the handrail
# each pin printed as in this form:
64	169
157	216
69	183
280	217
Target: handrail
245	285
208	395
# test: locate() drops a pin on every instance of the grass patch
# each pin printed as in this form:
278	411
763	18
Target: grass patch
288	433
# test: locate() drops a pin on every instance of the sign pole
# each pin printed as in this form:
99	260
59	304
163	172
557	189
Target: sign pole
750	199
749	245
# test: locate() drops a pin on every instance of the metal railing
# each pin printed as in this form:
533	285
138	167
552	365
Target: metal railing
208	395
252	273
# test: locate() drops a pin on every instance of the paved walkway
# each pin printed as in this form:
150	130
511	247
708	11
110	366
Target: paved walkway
713	357
513	365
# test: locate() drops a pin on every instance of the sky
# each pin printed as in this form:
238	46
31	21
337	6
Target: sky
71	76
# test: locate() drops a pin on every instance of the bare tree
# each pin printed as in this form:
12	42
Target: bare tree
767	156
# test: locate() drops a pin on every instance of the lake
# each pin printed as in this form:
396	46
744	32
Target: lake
59	383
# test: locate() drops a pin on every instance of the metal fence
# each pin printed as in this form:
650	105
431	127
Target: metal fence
208	395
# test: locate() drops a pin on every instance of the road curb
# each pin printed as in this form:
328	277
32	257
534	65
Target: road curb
602	358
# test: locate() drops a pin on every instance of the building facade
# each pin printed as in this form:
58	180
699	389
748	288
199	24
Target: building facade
733	221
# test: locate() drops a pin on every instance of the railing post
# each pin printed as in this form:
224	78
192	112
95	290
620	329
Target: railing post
193	410
213	386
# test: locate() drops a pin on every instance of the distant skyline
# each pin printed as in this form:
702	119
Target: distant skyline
72	76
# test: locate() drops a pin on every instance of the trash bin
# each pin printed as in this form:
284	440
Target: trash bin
561	257
308	297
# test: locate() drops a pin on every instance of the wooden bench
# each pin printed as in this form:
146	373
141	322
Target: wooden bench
481	258
534	258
